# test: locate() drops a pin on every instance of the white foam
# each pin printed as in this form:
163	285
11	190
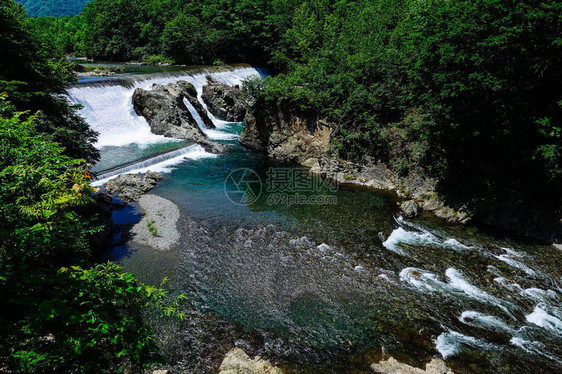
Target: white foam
108	109
477	319
540	317
507	258
451	343
533	347
211	133
395	238
512	286
458	282
220	135
419	236
540	294
421	279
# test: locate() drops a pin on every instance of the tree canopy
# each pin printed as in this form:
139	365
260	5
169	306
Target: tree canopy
47	8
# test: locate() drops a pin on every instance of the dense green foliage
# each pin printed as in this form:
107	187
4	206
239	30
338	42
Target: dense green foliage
189	32
47	8
467	91
59	311
34	82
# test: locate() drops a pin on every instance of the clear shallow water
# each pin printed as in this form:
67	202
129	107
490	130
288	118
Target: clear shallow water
328	288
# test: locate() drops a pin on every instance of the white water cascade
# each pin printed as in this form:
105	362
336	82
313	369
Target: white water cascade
160	163
108	107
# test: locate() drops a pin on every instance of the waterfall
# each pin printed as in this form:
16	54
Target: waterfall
107	105
211	133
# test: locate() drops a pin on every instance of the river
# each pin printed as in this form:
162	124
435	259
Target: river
324	285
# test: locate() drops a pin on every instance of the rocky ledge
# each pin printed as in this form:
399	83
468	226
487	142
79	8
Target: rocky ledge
130	187
223	101
165	111
419	192
287	136
238	362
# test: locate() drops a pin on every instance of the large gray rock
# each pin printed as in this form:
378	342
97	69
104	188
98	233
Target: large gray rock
238	362
223	101
130	187
166	113
391	366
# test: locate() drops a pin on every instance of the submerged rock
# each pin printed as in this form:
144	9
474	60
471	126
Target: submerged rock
391	366
224	102
166	113
130	187
238	362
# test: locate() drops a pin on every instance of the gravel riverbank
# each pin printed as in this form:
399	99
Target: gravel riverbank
157	228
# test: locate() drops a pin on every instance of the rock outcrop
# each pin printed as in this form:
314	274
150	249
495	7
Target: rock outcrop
166	113
287	136
238	362
223	101
391	366
130	187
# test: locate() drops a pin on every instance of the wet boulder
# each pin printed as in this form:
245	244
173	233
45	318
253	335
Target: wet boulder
223	101
410	209
164	109
130	187
237	361
391	366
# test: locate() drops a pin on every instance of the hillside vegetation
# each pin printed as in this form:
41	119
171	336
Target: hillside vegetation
47	8
469	92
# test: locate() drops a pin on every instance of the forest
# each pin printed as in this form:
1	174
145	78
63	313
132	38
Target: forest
468	92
